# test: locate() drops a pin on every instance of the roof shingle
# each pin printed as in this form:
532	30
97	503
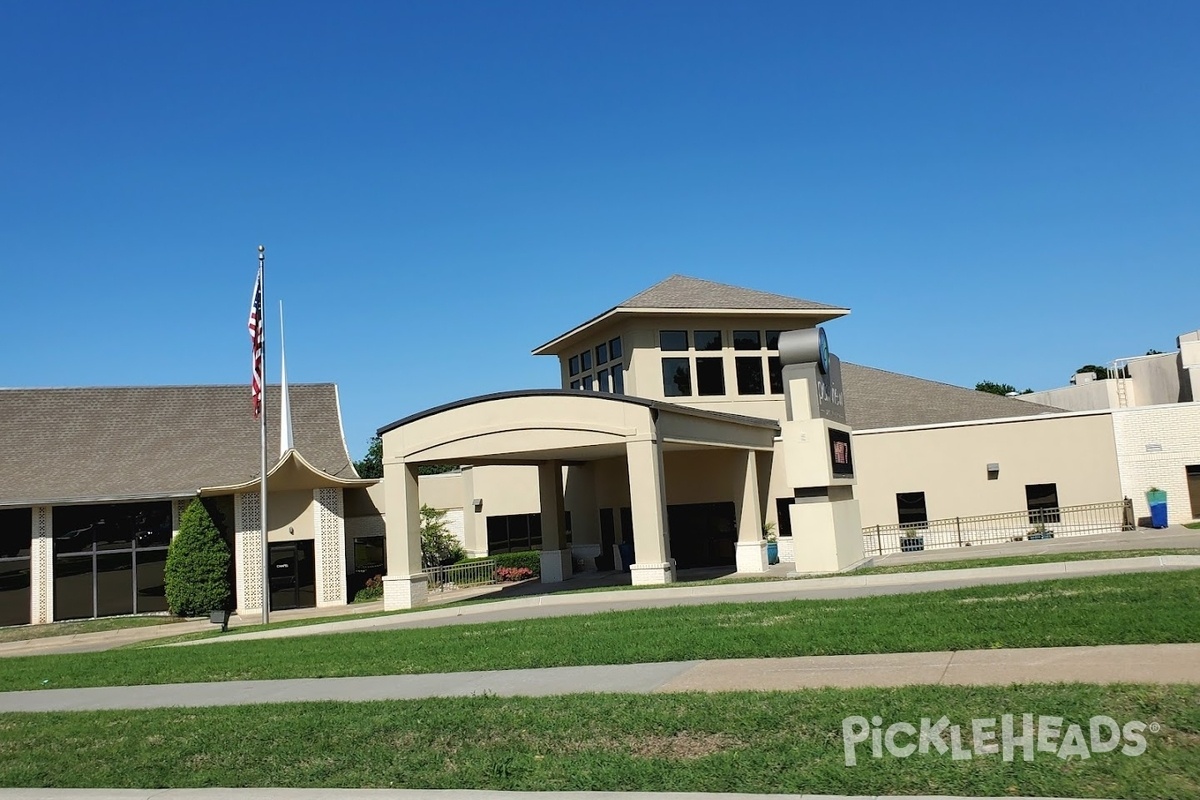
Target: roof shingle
680	291
112	442
876	398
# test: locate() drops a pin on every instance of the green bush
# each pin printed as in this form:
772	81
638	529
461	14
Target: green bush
197	571
438	545
530	559
372	591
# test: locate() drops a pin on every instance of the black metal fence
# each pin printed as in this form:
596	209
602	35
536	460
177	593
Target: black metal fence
1016	526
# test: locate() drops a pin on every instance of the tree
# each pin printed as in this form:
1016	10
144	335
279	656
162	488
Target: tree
438	545
371	465
995	388
197	571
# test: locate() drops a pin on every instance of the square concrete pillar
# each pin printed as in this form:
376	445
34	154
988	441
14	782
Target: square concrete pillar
827	533
556	558
751	546
647	495
405	584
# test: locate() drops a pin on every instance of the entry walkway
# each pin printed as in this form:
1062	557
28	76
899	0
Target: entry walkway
1158	663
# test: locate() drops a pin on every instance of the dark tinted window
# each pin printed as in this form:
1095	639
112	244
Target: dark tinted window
602	354
910	508
708	340
618	379
585	360
572	366
747	340
772	340
710	376
673	340
574	384
614	348
749	375
677	377
1042	501
587	382
602	380
775	372
16	532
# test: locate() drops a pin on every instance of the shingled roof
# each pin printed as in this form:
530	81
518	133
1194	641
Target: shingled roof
59	445
876	398
680	291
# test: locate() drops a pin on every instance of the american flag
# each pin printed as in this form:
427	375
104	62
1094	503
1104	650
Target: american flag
255	326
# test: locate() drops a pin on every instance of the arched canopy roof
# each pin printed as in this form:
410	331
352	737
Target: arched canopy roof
561	424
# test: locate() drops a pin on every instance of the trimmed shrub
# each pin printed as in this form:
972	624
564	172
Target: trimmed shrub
197	571
529	559
372	591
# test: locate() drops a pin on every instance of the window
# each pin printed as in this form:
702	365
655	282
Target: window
574	385
708	340
585	360
749	375
16	539
911	511
514	533
370	554
614	348
602	380
673	340
710	376
773	340
602	353
677	377
1042	501
784	515
747	340
775	373
110	559
618	379
587	384
572	365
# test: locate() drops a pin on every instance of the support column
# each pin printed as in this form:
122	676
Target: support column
248	552
556	558
41	566
405	585
751	546
329	533
647	496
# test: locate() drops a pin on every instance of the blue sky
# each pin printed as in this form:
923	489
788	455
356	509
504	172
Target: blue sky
999	191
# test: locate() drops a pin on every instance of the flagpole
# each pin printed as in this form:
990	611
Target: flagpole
266	550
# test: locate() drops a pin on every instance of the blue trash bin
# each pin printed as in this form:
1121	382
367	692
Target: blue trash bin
1157	500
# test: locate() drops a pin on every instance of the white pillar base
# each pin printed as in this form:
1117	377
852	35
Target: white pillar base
652	574
405	591
752	556
556	566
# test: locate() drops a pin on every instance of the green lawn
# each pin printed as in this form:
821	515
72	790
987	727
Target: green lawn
1008	561
1116	609
21	633
1192	525
744	742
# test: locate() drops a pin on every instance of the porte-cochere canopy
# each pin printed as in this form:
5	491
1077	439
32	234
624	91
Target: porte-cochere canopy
624	438
563	425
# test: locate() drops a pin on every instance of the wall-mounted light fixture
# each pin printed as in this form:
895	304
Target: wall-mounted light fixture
478	502
993	471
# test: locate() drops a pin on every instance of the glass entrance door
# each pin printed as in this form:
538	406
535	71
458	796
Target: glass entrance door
293	575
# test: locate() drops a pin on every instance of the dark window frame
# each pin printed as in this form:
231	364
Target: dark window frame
670	372
1041	500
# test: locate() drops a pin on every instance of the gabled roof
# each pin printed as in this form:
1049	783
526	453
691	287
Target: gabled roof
113	443
876	398
683	294
680	291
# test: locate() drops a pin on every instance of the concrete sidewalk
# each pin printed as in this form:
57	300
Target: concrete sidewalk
429	794
1163	664
835	588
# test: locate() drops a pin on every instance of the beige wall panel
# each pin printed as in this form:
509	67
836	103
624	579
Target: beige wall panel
950	465
579	488
507	490
684	428
1156	379
702	476
441	491
364	502
290	510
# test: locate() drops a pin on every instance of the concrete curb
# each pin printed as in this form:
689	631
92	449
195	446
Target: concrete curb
775	590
